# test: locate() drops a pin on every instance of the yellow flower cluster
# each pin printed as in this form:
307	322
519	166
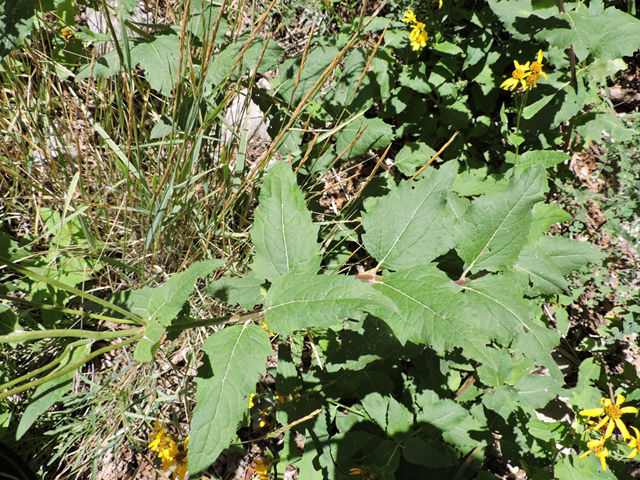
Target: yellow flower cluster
608	418
67	34
266	329
418	36
525	75
169	452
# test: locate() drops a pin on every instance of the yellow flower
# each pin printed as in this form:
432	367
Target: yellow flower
67	33
418	36
536	67
251	405
265	328
262	468
634	443
519	75
364	471
532	80
612	413
597	447
180	461
409	16
162	444
439	3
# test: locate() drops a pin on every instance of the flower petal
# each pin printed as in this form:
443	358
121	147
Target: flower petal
540	56
592	412
588	452
629	410
610	428
623	428
602	460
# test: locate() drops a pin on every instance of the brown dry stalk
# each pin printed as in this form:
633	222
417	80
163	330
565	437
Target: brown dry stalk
436	155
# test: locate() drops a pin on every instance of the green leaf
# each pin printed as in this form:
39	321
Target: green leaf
607	35
499	303
584	395
412	156
596	125
202	22
535	391
227	57
544	264
284	237
499	371
429	309
134	301
448	48
317	61
383	70
390	415
167	300
148	345
494	228
544	216
243	291
237	355
8	320
160	60
16	21
46	394
344	94
443	414
545	158
425	453
600	69
359	349
571	467
476	181
539	273
408	227
295	302
503	400
375	134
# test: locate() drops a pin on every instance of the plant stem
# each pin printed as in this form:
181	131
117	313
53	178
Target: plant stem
208	322
40	334
520	109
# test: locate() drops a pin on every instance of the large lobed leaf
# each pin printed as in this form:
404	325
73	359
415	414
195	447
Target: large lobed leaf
501	306
543	265
493	230
295	302
431	310
284	237
237	355
407	227
247	292
160	59
606	34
